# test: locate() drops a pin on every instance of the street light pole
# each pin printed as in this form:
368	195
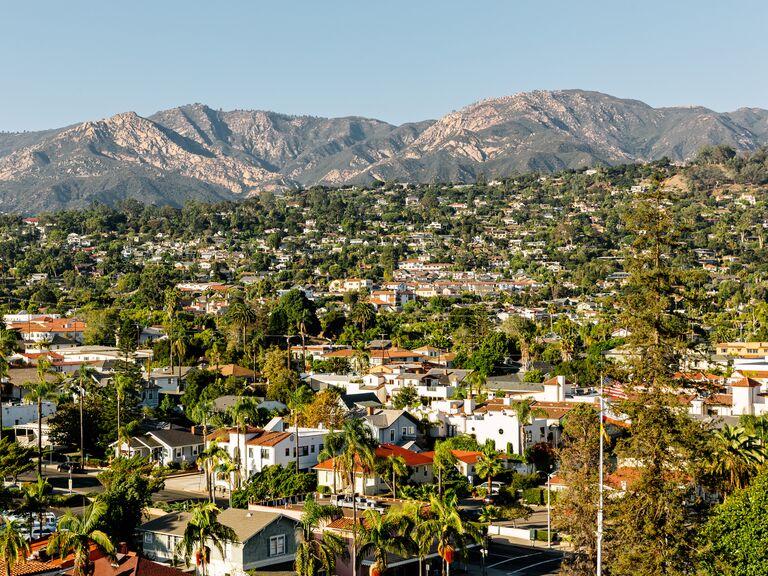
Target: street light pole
484	553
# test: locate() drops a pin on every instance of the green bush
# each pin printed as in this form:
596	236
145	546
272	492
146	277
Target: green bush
173	466
533	496
538	496
324	490
541	535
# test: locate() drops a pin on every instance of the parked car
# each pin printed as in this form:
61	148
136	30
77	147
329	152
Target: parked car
73	467
496	486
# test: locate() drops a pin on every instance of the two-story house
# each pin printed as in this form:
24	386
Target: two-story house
265	539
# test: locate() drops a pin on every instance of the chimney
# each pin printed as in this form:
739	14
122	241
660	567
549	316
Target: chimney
469	406
371	409
193	430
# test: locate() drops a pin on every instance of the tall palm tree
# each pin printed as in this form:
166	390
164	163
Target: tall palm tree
9	343
179	346
37	498
211	458
39	392
443	462
525	412
297	400
122	385
488	464
359	450
421	530
75	535
363	314
311	551
3	376
203	529
332	449
85	375
392	467
241	316
452	532
13	547
734	458
172	298
382	534
242	412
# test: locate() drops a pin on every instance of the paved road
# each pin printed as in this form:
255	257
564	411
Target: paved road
181	488
508	559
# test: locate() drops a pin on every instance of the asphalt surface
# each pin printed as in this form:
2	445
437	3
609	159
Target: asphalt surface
505	559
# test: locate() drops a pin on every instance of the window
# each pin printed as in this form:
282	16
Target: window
501	432
320	447
304	450
250	452
312	449
265	453
147	537
404	431
392	435
287	452
277	545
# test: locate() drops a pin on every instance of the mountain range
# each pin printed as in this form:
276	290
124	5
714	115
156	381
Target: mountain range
196	153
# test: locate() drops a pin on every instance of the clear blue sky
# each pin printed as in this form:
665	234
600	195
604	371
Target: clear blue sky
67	61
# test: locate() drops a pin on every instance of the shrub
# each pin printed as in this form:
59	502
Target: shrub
174	466
324	490
533	496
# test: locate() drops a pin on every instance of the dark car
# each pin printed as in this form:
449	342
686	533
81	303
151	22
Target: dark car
72	467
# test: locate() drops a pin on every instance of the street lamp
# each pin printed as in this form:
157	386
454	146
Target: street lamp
484	553
428	567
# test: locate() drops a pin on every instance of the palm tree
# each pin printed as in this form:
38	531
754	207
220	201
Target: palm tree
179	346
488	464
311	551
443	462
9	343
241	316
75	535
421	530
85	374
204	528
363	314
359	450
525	412
735	458
242	412
333	448
451	530
122	385
211	458
382	534
489	513
172	298
37	499
231	470
393	467
3	375
13	547
39	392
297	400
